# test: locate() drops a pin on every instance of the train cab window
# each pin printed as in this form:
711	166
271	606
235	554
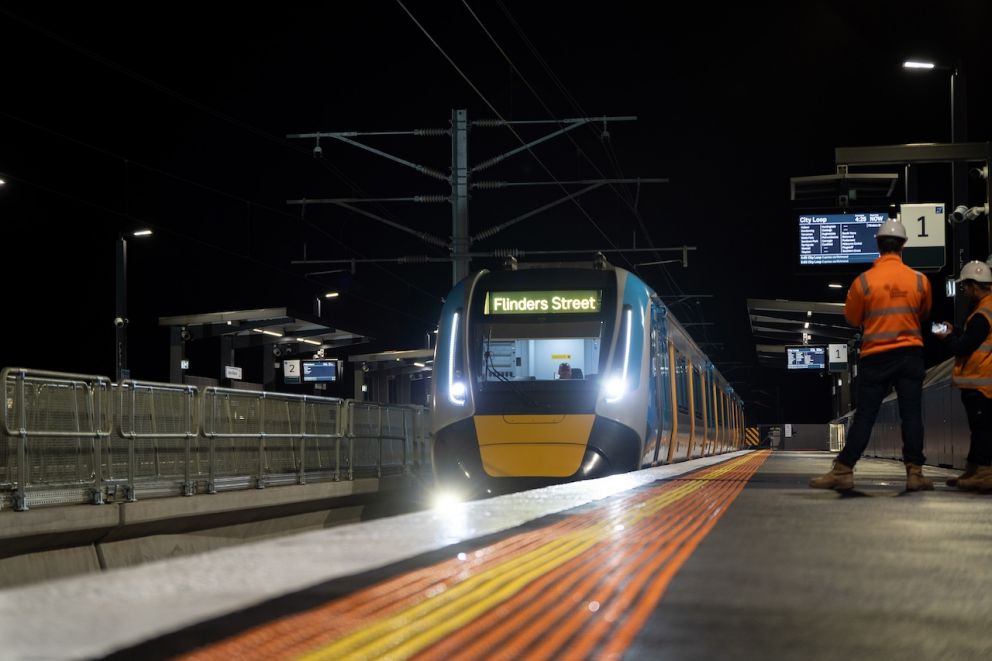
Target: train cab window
552	351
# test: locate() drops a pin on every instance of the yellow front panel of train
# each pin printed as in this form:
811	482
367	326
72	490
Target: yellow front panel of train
532	445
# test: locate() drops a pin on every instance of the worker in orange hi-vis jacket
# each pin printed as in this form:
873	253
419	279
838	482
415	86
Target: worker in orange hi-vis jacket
889	301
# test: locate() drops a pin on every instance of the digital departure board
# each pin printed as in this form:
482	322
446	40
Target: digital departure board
839	238
320	371
805	357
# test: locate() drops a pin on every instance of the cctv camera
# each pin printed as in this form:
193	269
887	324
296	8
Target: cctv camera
959	214
276	351
119	322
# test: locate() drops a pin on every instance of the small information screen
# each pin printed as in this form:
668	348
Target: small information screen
839	238
805	357
320	371
544	302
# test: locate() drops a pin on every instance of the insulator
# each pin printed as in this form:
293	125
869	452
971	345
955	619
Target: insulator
488	185
488	123
506	252
412	259
431	132
431	198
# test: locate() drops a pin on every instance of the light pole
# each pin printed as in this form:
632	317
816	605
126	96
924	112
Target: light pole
960	242
120	321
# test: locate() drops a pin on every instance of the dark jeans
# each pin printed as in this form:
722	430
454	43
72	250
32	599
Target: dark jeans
902	368
979	409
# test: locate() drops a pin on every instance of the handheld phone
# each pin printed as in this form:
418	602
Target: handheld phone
938	327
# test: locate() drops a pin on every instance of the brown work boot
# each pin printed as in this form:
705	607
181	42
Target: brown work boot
969	470
840	478
981	479
915	480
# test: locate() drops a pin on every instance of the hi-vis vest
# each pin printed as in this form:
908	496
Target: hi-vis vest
974	371
889	300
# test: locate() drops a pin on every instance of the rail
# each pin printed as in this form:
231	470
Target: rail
77	438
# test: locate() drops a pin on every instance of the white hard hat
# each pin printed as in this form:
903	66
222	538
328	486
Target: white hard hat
977	271
892	227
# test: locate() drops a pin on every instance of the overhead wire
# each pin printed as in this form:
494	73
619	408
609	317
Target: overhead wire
501	118
693	312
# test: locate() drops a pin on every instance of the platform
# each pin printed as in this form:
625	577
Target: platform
728	557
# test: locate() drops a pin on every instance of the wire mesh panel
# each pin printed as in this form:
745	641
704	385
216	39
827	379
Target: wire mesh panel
265	436
54	427
394	439
323	427
364	433
232	424
157	425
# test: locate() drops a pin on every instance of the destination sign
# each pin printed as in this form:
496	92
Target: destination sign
543	302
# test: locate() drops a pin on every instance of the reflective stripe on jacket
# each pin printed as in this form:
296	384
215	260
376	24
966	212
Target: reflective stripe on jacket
974	371
889	300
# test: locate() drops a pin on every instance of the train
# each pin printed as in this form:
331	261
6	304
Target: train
547	373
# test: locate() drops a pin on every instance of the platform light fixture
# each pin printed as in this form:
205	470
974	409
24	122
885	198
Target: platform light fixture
835	285
267	332
917	65
2	182
145	232
313	342
419	365
332	294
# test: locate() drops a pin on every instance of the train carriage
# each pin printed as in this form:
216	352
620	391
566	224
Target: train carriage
549	373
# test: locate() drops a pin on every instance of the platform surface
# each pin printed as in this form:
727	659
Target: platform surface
732	557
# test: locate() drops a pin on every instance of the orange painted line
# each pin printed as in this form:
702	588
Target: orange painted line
530	606
508	619
620	639
608	586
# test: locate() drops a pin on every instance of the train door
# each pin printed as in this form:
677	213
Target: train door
662	396
683	419
673	401
720	427
711	405
698	422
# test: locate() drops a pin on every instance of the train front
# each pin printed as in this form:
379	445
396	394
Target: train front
536	379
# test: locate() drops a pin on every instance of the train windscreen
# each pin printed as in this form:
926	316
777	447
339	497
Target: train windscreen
549	351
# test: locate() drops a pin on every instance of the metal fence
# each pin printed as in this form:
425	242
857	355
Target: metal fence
72	438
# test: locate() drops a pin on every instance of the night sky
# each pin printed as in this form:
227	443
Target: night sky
175	117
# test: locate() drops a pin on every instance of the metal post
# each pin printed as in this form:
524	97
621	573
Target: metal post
120	321
20	496
260	484
961	253
459	195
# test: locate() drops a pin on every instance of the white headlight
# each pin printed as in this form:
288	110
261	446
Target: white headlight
457	393
614	389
